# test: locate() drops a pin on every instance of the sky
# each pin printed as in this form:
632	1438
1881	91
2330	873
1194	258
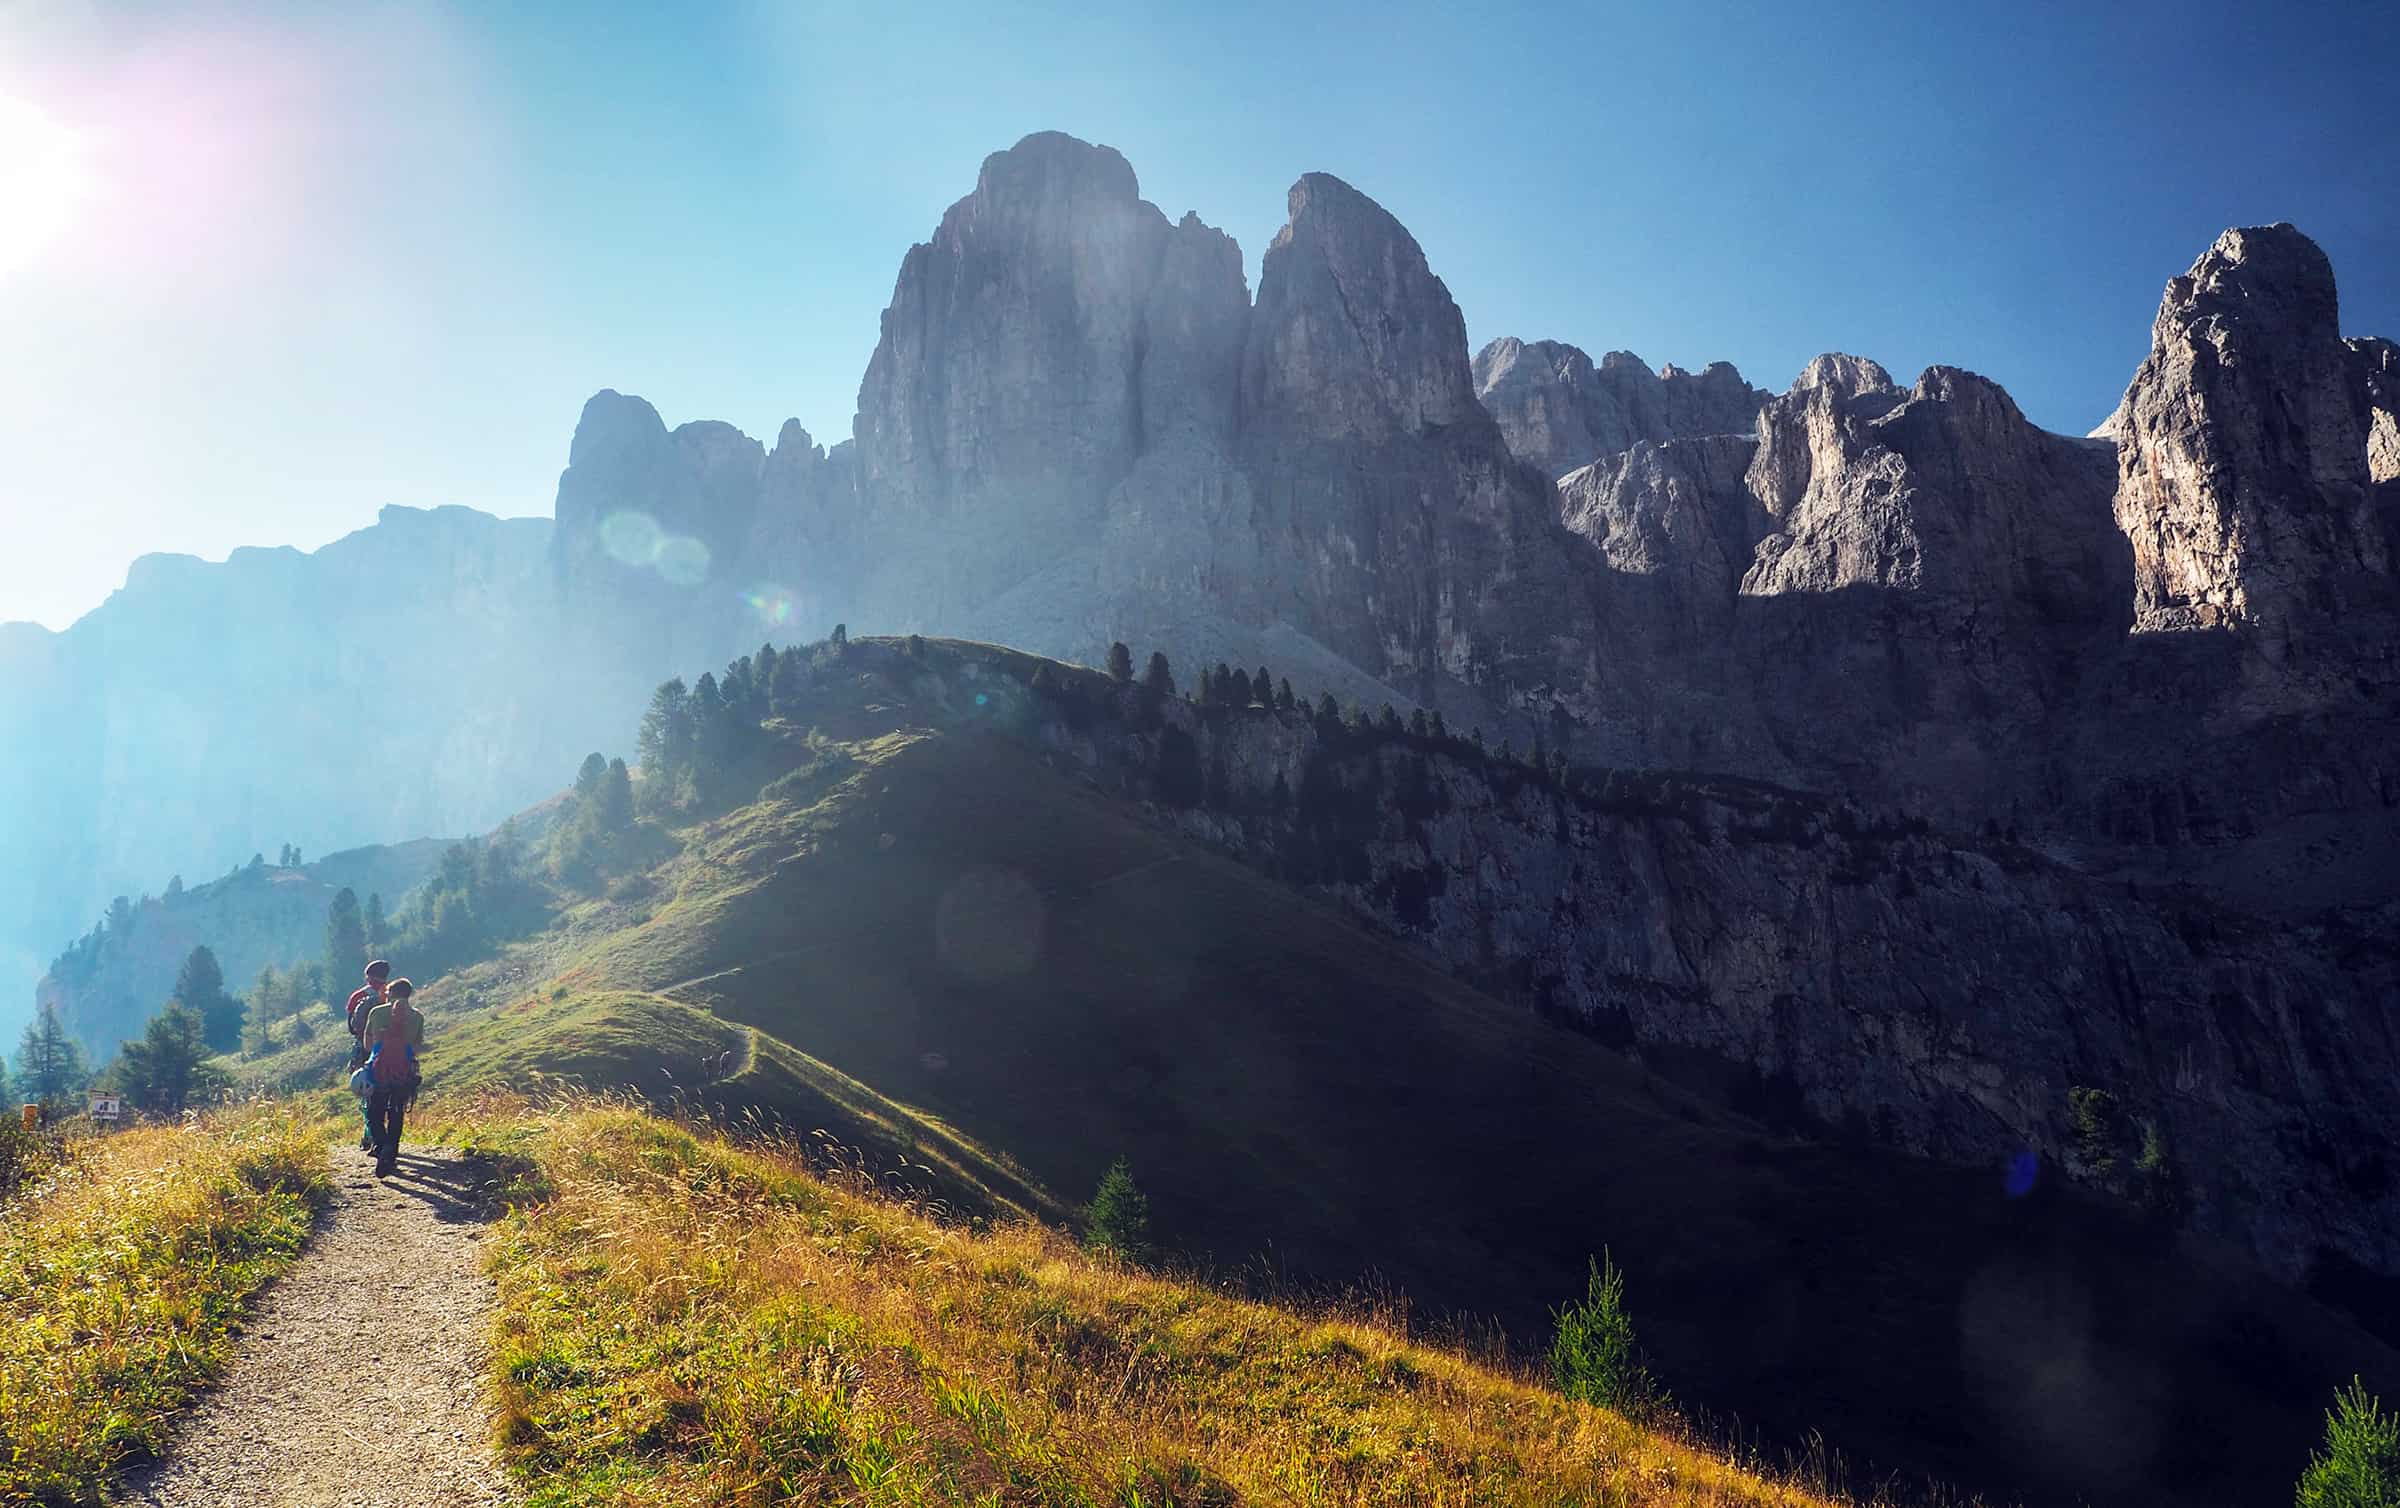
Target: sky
264	269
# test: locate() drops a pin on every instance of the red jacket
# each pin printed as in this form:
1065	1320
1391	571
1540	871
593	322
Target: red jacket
360	999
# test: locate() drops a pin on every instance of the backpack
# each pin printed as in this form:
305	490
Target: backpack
392	1067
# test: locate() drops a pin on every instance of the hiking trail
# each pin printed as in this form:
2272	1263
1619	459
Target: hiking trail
358	1381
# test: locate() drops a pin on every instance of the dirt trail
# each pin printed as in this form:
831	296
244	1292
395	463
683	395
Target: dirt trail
359	1382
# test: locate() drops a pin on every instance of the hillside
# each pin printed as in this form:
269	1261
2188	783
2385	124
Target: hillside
111	980
954	947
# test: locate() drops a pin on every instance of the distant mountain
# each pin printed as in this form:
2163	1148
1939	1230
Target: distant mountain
117	975
411	679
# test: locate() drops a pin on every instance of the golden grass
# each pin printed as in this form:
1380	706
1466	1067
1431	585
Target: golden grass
688	1321
120	1280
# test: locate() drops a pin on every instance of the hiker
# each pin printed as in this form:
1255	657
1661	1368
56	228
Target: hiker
394	1031
363	999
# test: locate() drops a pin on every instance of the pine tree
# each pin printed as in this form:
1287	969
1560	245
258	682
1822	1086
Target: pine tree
167	1068
345	941
1239	691
1440	729
1262	688
378	925
2360	1464
841	636
1417	726
1120	663
50	1066
616	798
297	860
587	778
664	744
283	857
1158	679
789	685
1329	712
1387	720
1283	697
174	886
8	1098
200	985
769	665
1118	1219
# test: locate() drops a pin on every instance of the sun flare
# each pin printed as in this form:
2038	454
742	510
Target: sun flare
42	180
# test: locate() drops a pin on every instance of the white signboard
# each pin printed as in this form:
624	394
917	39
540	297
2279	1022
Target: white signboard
107	1107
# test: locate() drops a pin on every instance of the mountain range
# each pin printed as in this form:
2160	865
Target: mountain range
2144	680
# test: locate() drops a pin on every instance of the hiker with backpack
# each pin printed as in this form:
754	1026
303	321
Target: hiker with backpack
393	1033
362	1000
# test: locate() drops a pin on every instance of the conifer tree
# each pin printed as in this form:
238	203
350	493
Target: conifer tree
200	985
1417	726
1283	696
1440	728
1387	720
789	685
841	636
378	925
1158	679
1262	687
174	889
1329	712
768	664
1239	692
664	744
345	941
616	798
1118	1218
1120	663
587	777
50	1066
167	1068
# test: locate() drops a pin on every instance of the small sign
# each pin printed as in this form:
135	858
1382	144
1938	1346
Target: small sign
107	1108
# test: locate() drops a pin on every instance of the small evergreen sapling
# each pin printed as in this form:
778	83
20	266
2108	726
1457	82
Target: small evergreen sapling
1594	1357
1118	1219
2360	1465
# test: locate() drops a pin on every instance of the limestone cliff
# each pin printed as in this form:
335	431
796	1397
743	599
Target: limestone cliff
1561	412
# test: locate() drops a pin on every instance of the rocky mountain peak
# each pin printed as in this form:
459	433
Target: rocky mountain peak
1561	412
2243	448
1353	336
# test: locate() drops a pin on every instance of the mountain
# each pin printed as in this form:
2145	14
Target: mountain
2158	661
410	679
1004	920
1560	412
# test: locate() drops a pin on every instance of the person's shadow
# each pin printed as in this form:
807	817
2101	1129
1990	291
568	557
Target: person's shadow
458	1191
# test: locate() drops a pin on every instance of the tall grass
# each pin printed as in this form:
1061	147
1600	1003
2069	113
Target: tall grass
689	1321
121	1275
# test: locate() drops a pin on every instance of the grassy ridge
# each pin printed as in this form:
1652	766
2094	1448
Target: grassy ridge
686	1321
120	1280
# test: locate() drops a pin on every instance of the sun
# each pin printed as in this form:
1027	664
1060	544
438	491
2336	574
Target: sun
42	180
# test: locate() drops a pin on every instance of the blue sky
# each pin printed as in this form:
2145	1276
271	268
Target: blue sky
290	264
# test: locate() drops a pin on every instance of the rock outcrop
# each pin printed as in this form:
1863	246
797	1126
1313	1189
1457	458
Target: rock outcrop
2243	456
1560	412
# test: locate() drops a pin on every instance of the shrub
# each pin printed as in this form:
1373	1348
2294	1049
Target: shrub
2360	1465
1594	1357
1118	1220
2093	1112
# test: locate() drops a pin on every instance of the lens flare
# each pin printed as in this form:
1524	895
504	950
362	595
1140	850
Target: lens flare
772	603
683	560
2024	1166
631	538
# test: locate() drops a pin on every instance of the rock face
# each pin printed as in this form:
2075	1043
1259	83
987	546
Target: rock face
1875	979
1559	412
2243	463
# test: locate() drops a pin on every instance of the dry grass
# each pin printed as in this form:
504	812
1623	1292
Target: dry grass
121	1277
688	1321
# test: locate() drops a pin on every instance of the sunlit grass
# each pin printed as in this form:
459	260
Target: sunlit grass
686	1320
120	1280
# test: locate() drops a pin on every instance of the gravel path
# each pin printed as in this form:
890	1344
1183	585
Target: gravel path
360	1381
